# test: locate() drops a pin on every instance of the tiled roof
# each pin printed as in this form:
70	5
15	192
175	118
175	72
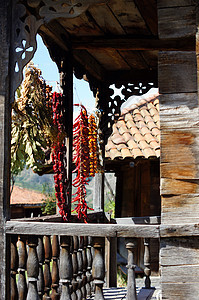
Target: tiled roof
24	196
137	131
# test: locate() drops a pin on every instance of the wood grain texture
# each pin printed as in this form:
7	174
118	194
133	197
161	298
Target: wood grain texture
177	72
5	29
179	230
180	209
175	3
185	251
177	22
112	230
179	290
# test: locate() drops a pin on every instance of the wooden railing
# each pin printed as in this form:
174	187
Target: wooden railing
62	261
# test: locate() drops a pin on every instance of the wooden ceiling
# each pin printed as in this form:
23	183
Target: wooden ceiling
114	42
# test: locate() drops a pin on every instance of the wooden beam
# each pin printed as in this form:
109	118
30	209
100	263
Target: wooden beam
133	75
148	11
130	43
179	230
102	230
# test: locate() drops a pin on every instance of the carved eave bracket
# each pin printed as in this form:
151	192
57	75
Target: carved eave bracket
25	27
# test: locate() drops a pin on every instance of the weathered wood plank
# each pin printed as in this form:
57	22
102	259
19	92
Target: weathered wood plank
182	274
179	251
174	3
111	230
148	11
129	17
178	209
5	33
127	43
177	72
179	230
177	22
139	220
182	291
171	186
106	20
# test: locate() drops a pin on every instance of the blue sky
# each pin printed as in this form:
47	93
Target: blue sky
50	73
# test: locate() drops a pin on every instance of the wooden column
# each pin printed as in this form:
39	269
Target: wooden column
55	270
66	79
65	270
131	285
22	285
147	258
47	273
179	149
14	267
32	268
5	129
41	257
98	268
98	199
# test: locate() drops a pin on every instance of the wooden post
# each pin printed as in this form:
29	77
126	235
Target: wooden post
98	270
5	121
131	285
47	274
14	267
40	255
98	199
22	286
75	268
89	268
111	261
55	270
65	269
147	258
80	271
66	79
32	268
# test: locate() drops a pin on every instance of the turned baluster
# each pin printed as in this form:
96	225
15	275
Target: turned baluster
80	272
98	271
131	285
32	268
13	267
22	285
65	269
75	268
47	274
40	255
89	265
55	270
84	265
147	258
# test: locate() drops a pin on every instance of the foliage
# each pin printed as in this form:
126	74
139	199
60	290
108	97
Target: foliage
121	278
49	203
32	128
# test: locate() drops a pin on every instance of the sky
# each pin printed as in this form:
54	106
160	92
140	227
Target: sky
50	73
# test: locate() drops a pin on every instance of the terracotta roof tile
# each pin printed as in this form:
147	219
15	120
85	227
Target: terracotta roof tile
126	153
137	153
117	139
25	196
137	132
132	144
148	152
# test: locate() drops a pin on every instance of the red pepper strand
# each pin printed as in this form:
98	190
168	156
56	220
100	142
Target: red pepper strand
58	157
81	160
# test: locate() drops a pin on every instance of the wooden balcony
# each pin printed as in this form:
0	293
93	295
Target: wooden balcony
51	260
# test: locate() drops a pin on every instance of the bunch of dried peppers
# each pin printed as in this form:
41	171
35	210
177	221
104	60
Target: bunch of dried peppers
59	156
85	158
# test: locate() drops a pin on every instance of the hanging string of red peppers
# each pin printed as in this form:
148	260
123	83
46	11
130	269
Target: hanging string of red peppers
59	156
85	158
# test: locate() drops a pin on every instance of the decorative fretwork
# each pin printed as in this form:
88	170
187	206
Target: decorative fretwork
25	27
136	89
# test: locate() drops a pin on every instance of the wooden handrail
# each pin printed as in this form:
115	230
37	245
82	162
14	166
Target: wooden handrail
101	230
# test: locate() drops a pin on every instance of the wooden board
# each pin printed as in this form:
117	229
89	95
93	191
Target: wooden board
175	3
179	290
176	22
177	72
185	251
106	20
129	17
178	209
109	230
